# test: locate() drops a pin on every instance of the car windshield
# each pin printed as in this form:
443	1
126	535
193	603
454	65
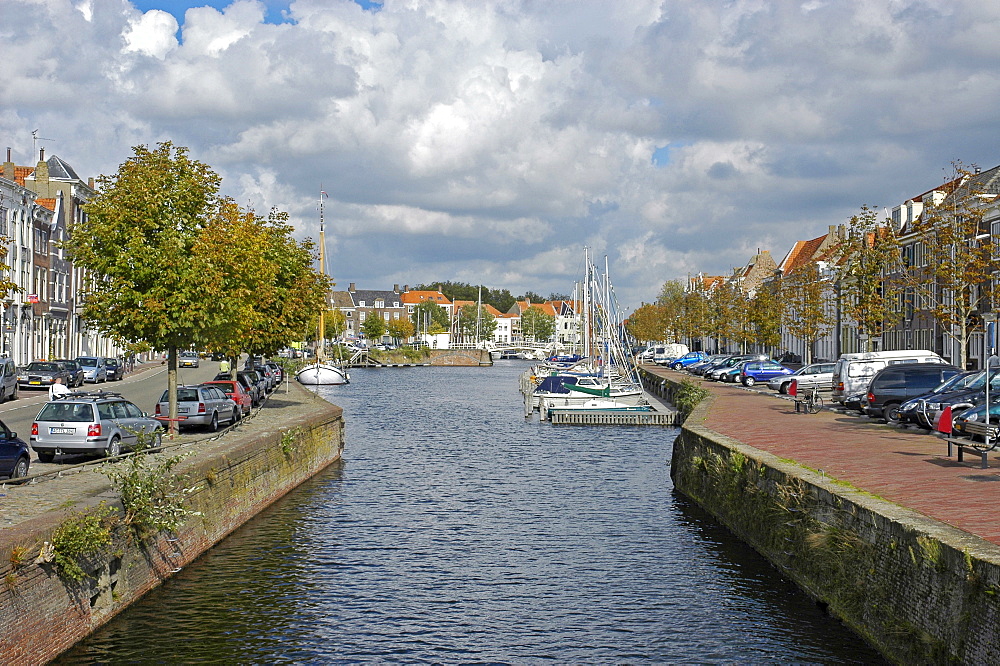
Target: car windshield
43	367
66	411
88	361
189	354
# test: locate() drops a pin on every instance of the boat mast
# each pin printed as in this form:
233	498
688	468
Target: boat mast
586	305
321	354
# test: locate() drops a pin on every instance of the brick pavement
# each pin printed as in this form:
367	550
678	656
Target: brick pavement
908	467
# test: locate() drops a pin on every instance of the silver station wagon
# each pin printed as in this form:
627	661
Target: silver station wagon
200	406
101	422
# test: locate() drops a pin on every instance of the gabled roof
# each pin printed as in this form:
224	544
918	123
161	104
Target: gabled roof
60	170
22	172
486	306
803	253
369	296
341	299
421	296
47	203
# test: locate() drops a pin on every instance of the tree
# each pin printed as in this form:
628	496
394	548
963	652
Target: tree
474	319
807	296
726	310
269	276
865	261
537	325
374	326
138	242
952	274
765	315
335	324
646	323
430	317
531	297
400	329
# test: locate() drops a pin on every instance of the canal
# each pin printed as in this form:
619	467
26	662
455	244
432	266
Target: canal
456	531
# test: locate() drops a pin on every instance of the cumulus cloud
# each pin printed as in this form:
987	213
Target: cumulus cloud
492	140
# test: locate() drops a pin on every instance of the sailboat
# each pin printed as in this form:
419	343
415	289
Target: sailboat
322	372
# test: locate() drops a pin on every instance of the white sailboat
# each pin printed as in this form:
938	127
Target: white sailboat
322	372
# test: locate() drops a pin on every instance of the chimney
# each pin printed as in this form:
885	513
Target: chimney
41	154
395	288
8	167
351	288
406	288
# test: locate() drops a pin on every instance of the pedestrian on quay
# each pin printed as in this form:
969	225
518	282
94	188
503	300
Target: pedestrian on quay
224	365
57	389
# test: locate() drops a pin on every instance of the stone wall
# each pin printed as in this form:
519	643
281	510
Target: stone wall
41	615
916	589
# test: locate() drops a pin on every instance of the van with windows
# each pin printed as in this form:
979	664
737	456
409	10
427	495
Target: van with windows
853	372
667	353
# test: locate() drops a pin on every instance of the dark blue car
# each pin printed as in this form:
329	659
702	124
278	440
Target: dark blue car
752	372
14	455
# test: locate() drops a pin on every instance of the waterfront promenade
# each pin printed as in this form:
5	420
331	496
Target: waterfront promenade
907	467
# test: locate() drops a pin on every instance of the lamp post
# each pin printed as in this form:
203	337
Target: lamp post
991	362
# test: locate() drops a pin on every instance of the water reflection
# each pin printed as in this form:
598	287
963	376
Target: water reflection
455	531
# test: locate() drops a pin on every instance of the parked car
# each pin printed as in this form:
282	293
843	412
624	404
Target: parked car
74	369
102	422
201	405
711	361
853	372
236	392
115	369
730	363
752	372
894	385
8	379
189	359
14	456
270	379
279	372
42	375
257	380
688	359
251	382
94	370
961	392
808	376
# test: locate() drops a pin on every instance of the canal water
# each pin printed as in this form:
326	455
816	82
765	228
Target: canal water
457	531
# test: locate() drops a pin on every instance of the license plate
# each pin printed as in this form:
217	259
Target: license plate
62	431
34	383
182	410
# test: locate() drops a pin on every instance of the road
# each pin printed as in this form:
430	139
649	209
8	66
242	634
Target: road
144	388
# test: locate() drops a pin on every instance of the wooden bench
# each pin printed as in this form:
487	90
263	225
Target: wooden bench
971	446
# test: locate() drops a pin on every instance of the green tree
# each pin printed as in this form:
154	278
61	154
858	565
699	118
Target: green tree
146	279
807	294
865	260
400	329
646	324
335	324
952	277
374	326
726	311
537	325
472	318
765	315
532	297
430	317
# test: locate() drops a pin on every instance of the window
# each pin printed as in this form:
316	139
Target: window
385	315
361	304
379	303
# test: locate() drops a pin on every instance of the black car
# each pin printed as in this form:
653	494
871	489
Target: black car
14	456
893	385
74	369
41	375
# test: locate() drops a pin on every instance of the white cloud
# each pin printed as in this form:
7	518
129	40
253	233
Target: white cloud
491	140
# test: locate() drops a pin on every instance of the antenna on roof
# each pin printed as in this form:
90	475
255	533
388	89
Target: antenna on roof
34	141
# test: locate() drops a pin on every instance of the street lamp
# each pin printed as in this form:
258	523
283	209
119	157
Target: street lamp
991	362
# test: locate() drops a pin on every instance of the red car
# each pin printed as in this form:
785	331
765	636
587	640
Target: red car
234	390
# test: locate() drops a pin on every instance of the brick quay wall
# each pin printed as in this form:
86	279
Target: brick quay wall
916	588
229	479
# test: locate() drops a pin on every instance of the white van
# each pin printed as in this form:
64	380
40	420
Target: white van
665	354
853	372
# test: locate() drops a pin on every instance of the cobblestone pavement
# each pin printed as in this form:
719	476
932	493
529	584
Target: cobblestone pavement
909	467
76	485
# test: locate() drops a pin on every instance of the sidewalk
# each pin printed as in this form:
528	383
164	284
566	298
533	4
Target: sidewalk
907	467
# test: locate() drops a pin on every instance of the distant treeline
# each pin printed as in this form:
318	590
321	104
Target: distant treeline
501	299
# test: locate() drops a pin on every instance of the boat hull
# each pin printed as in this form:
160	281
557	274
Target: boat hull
319	374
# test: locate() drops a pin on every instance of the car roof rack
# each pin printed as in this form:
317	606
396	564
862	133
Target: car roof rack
88	394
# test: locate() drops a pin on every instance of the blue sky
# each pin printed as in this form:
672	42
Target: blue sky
489	141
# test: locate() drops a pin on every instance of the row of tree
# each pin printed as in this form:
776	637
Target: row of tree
938	269
501	299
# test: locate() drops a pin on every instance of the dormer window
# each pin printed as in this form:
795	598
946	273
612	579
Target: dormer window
380	303
361	304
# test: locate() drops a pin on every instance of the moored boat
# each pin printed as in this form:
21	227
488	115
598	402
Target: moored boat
322	373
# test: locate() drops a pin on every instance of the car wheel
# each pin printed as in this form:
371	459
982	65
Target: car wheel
46	457
114	448
749	381
214	425
13	393
677	366
783	388
157	440
20	469
891	412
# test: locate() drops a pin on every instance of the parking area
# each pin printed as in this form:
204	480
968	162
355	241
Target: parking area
907	466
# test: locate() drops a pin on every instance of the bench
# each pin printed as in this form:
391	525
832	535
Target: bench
972	447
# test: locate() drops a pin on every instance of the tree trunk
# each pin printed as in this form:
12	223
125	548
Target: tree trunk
172	387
